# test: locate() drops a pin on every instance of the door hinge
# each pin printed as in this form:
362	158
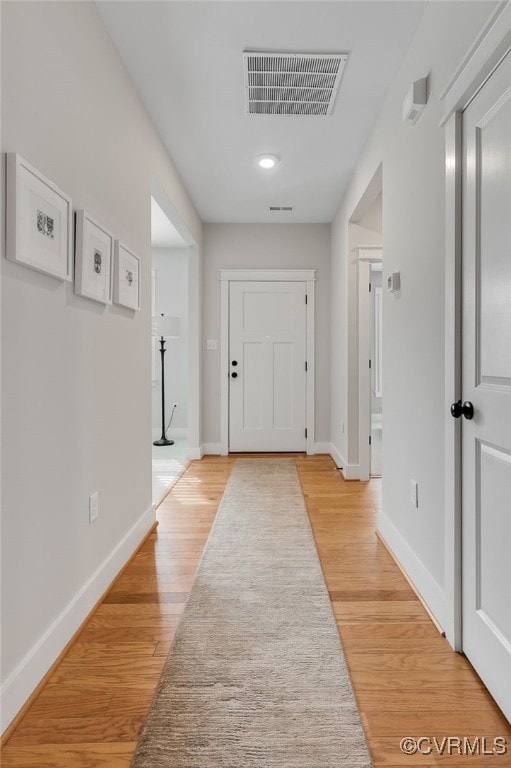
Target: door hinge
370	288
370	439
306	365
370	364
306	298
305	431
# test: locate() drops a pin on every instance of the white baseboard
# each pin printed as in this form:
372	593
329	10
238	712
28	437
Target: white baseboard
195	453
206	449
211	449
428	589
349	471
30	671
322	448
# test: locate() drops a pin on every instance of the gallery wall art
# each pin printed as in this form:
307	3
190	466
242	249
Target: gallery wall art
93	259
126	277
39	235
38	221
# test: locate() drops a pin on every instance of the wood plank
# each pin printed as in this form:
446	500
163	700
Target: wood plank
120	598
372	610
130	703
97	650
74	730
67	703
122	635
83	755
120	665
434	698
382	724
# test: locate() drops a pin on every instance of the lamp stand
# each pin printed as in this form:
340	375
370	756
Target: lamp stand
163	439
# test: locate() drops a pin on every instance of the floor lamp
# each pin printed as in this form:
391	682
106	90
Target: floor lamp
166	328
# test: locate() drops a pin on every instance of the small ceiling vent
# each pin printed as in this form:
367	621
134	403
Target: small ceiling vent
281	208
292	83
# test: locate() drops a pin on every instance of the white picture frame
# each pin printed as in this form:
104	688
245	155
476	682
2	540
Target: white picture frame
39	223
93	259
126	277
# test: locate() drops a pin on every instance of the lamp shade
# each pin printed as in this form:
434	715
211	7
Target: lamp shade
166	326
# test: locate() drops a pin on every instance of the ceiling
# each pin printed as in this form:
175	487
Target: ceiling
163	233
186	61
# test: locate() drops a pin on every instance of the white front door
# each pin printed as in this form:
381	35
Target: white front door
267	360
486	381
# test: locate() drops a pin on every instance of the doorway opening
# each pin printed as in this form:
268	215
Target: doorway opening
376	330
174	279
365	347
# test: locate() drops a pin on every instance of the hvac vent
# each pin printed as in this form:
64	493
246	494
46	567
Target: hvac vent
292	83
281	208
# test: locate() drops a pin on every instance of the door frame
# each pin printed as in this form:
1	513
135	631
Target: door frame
492	45
194	316
227	276
366	255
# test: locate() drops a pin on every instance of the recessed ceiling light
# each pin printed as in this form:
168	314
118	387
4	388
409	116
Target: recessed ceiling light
268	161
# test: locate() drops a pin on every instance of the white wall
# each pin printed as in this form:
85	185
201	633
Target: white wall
171	265
76	376
270	246
413	323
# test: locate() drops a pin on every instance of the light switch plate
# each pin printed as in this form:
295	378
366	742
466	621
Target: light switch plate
414	493
93	507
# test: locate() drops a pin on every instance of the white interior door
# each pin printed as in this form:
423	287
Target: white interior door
486	381
267	361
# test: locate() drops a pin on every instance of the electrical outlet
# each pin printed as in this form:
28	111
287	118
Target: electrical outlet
176	406
414	493
93	507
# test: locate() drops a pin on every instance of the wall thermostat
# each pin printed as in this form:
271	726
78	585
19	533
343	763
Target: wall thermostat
394	282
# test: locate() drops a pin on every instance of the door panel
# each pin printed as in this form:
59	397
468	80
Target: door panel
493	168
267	338
486	379
493	523
253	390
283	389
267	311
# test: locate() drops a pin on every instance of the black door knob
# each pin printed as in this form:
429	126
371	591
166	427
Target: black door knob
234	362
465	409
234	375
468	410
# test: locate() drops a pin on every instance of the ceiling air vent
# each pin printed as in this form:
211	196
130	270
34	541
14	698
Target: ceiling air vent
281	208
292	83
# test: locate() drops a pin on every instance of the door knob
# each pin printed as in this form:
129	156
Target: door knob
234	362
465	409
234	375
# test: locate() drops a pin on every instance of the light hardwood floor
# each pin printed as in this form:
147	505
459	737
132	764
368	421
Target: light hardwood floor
407	680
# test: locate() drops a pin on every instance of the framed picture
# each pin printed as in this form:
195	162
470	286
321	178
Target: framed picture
38	221
93	259
126	277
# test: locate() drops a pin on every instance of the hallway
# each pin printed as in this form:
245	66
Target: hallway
407	680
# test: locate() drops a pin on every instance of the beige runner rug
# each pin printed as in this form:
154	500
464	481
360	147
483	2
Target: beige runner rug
256	676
